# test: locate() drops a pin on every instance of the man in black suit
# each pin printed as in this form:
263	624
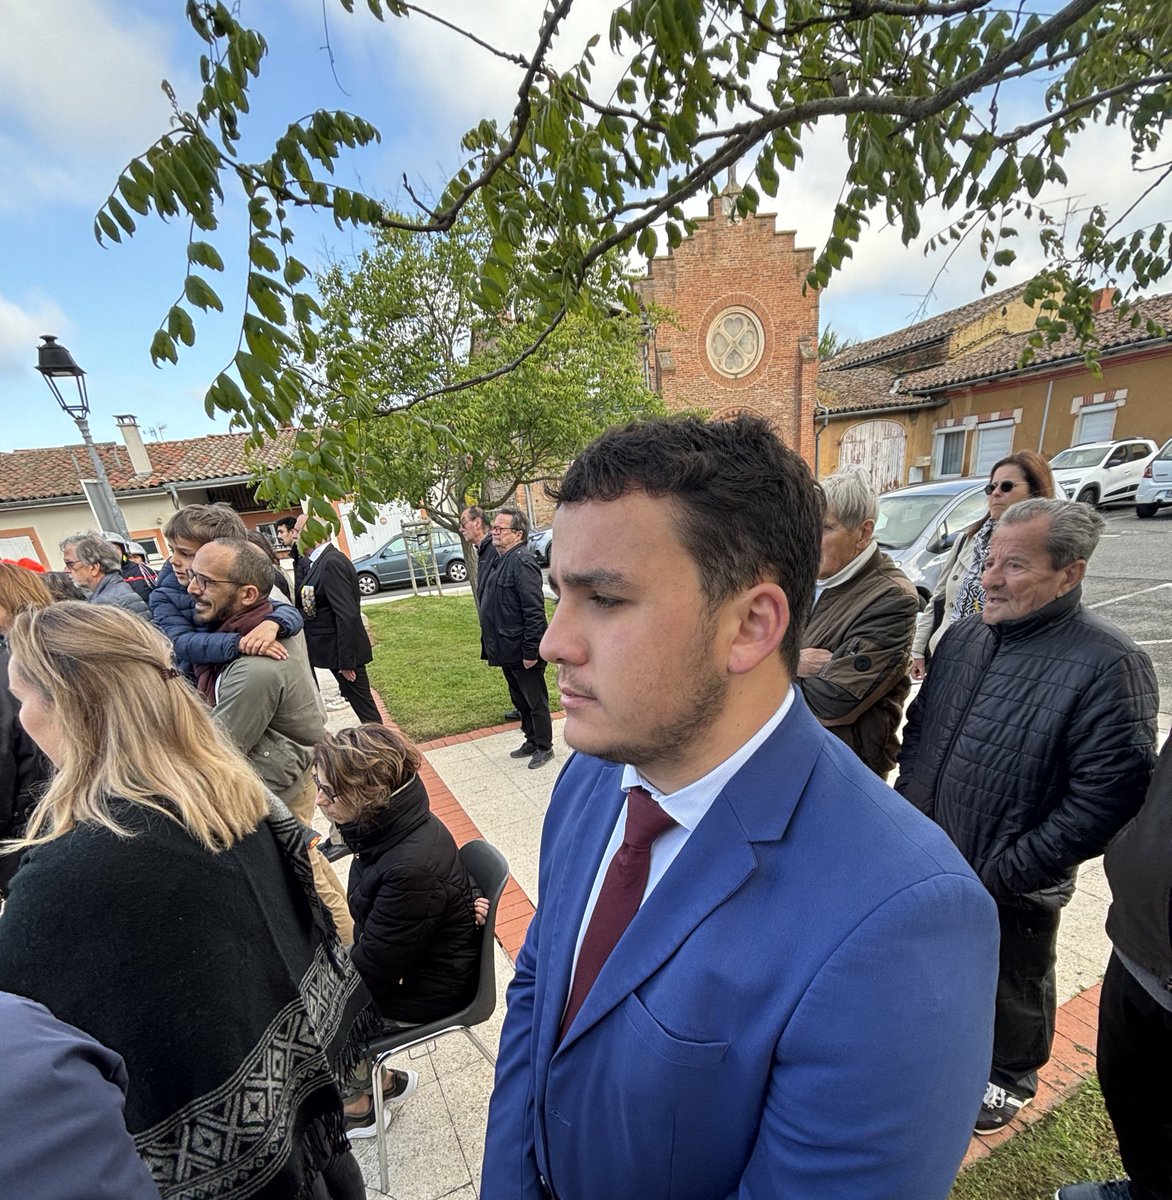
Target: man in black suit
328	597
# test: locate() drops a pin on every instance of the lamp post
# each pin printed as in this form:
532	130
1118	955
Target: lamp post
55	362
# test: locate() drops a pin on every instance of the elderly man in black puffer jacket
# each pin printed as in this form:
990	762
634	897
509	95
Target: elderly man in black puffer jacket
1031	744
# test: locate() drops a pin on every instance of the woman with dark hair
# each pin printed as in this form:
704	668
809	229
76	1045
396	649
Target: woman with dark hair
166	908
1025	475
416	944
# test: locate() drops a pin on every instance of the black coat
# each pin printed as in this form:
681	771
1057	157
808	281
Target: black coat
512	609
24	774
416	944
1031	744
1139	870
329	599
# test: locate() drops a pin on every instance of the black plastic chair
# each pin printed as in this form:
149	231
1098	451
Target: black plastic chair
490	872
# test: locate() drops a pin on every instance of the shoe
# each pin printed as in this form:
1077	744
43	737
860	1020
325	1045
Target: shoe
334	850
523	751
1000	1106
396	1089
1108	1189
540	759
511	715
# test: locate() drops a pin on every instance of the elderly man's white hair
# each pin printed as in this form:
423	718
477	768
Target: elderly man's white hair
850	497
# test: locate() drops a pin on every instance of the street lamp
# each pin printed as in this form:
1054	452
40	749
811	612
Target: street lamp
55	362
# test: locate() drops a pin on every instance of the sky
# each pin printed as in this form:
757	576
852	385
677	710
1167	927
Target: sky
80	95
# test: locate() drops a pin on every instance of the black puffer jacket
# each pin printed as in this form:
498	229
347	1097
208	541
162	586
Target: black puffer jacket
1139	870
1031	744
24	775
415	937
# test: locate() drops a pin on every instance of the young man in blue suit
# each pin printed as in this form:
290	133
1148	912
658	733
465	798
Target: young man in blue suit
800	1004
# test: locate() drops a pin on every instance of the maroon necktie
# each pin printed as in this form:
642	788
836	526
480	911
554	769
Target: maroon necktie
620	895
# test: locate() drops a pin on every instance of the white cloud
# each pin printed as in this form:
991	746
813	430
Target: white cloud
79	94
21	328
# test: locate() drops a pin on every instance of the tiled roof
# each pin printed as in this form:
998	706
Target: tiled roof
58	470
863	388
923	332
1003	356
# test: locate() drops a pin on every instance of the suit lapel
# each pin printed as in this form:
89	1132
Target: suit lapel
756	805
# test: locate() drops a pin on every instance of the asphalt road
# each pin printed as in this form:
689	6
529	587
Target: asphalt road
1129	581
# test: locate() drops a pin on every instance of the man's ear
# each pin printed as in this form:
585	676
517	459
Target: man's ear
762	616
1072	576
250	595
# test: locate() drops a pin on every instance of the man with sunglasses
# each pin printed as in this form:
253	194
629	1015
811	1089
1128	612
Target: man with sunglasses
1031	744
269	707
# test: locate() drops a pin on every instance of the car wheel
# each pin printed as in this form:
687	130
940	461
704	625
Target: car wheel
456	572
1146	510
1089	495
368	584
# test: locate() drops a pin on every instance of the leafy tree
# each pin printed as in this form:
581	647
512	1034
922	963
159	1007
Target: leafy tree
412	302
579	171
831	343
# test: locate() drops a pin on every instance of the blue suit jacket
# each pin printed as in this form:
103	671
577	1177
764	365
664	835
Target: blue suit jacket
802	1008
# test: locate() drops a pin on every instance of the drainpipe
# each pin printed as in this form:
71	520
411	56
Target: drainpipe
821	413
1045	414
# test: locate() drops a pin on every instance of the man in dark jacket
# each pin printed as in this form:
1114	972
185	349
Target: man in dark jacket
96	567
512	624
856	649
1031	743
475	529
1135	1008
327	593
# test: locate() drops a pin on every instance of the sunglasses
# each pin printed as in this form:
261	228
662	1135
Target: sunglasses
1006	485
328	792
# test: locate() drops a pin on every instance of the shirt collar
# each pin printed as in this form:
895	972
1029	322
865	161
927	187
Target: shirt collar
317	552
851	569
688	805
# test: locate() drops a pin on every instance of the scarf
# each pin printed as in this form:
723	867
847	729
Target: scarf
970	595
244	621
221	982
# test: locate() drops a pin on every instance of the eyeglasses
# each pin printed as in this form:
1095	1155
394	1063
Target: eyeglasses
1006	485
328	792
201	580
502	528
70	564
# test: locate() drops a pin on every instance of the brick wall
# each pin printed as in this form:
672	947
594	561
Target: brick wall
749	264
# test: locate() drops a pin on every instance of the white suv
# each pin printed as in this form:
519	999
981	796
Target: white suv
1102	472
1155	488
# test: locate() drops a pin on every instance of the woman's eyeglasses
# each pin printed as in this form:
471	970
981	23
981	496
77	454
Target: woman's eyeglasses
1006	485
328	792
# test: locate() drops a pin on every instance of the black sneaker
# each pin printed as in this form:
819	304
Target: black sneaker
1000	1106
1107	1189
523	751
398	1087
511	715
540	759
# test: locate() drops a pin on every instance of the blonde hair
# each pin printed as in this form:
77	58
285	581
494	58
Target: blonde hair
131	729
21	588
365	764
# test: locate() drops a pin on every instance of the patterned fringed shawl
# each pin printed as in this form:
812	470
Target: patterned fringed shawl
220	981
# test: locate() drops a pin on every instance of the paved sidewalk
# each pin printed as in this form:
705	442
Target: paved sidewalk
437	1137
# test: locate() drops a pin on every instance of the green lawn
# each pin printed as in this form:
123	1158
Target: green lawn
1071	1144
428	669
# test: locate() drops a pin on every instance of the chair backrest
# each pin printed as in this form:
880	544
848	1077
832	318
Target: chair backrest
488	868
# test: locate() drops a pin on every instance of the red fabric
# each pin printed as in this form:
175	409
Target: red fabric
29	564
244	621
620	895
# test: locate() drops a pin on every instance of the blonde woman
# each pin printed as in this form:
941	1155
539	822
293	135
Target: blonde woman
167	909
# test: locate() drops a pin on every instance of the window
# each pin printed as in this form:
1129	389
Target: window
150	545
736	342
966	512
269	530
1095	424
948	454
994	441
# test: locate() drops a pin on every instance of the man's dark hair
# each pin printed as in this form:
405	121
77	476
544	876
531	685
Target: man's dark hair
288	523
749	508
518	522
249	564
476	513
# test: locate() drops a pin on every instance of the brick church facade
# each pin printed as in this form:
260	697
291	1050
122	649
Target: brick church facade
744	336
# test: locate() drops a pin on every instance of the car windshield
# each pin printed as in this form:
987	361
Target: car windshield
903	518
1076	458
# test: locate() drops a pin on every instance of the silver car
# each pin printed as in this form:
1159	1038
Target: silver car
917	525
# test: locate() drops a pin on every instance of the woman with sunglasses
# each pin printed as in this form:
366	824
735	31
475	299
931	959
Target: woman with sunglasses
1021	476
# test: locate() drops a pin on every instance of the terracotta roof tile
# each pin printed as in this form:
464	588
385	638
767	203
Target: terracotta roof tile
58	470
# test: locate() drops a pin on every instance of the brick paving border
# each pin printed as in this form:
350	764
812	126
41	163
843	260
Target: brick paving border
1073	1056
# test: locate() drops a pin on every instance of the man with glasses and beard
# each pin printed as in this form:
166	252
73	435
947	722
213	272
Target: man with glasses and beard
268	706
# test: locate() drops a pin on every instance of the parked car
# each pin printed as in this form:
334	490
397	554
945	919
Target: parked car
540	541
387	566
917	525
1155	486
1102	472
